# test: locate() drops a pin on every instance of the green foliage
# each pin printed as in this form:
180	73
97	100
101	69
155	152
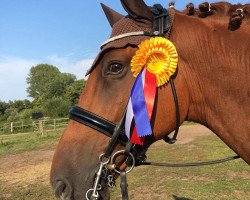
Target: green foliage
39	79
26	114
3	107
53	94
56	107
20	105
12	114
74	91
59	84
13	109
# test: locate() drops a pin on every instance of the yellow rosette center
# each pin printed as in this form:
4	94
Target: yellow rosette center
159	56
155	63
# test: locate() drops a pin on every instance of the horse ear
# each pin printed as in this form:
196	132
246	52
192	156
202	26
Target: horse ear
111	15
138	10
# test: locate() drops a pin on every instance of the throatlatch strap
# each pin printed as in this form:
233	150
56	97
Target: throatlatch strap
163	20
177	113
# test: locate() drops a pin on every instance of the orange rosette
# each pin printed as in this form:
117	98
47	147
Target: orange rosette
159	56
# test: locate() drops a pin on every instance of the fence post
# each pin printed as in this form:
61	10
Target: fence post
11	127
54	124
41	127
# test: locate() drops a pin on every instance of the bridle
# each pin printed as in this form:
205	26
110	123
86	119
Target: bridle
133	154
161	27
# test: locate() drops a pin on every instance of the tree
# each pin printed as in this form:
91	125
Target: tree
39	79
11	114
3	107
74	91
11	111
20	105
46	82
56	107
58	86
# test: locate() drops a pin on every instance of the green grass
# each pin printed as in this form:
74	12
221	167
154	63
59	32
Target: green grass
33	192
17	143
227	181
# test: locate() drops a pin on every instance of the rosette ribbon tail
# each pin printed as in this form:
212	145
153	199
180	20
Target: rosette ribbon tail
140	107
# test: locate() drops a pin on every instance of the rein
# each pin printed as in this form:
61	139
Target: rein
134	154
192	164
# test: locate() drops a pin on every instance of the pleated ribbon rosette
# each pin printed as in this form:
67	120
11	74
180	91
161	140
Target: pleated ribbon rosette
152	65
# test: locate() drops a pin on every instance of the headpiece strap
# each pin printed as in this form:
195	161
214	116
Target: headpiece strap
162	21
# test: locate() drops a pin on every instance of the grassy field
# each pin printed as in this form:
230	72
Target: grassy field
222	181
25	162
17	143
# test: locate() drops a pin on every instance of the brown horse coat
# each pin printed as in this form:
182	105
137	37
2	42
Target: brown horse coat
212	84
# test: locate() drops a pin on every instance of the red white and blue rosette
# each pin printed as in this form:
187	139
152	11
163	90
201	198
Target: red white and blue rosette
153	64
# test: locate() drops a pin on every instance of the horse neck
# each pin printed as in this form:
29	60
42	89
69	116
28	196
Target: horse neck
215	63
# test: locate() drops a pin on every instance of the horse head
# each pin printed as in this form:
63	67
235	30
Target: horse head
108	88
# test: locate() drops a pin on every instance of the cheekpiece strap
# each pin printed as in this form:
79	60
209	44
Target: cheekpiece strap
162	24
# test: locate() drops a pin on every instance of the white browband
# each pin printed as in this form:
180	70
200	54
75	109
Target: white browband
124	36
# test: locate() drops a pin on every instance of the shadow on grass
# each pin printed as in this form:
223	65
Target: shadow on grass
181	198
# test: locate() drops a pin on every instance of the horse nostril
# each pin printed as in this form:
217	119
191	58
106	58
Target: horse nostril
63	190
59	189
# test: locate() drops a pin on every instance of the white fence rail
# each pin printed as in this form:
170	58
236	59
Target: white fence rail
37	125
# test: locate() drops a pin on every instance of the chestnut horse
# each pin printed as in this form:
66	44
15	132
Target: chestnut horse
212	84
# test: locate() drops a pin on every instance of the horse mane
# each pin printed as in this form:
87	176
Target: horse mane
221	8
237	13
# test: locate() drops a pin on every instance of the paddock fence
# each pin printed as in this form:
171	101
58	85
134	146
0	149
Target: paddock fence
40	126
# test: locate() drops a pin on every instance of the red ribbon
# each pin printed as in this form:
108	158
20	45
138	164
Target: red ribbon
149	95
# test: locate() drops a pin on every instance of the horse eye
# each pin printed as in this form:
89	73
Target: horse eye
114	68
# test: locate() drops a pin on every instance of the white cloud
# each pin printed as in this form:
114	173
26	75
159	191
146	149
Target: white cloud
65	64
14	71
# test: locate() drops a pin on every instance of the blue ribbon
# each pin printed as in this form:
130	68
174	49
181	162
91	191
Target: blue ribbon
142	121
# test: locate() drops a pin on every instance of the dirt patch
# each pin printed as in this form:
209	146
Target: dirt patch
26	176
27	167
23	169
243	174
187	134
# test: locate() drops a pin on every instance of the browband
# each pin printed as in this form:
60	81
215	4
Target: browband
124	36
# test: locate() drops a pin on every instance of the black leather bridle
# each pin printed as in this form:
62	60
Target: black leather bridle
134	154
161	27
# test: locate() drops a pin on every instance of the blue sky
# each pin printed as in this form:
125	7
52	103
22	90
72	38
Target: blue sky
64	33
